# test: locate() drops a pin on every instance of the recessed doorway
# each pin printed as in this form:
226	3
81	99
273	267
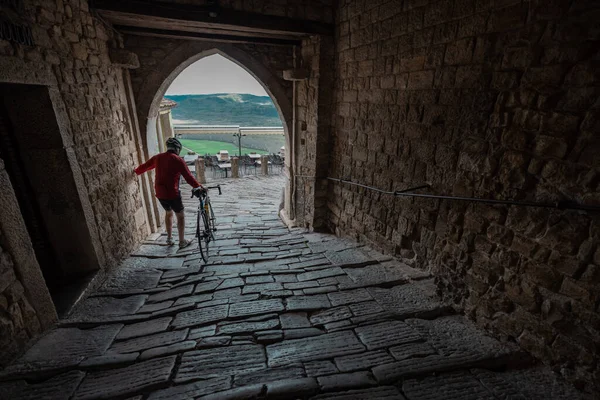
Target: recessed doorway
39	167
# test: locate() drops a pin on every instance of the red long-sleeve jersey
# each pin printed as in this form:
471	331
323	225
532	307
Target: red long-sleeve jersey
169	167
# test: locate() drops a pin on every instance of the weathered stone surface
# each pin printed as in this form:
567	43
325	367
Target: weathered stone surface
409	350
231	283
204	331
150	308
217	362
171	294
255	307
319	368
459	385
174	348
238	393
192	390
144	328
305	303
365	308
380	393
126	381
405	299
56	388
124	279
207	287
323	273
532	383
362	361
262	287
201	316
292	387
349	257
455	335
268	375
148	342
330	315
200	298
71	344
240	327
313	348
389	273
353	380
349	296
301	333
386	334
294	320
107	306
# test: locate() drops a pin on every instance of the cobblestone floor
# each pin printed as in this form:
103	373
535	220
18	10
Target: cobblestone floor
274	314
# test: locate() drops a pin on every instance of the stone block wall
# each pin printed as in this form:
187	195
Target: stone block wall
18	320
314	97
71	45
491	99
69	55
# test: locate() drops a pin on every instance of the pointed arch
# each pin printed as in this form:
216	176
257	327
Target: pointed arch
158	80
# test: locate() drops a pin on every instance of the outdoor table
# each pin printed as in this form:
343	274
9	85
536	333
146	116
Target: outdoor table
254	155
226	167
259	162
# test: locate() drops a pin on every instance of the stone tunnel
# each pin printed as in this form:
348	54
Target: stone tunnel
459	138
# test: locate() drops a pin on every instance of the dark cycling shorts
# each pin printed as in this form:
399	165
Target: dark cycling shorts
173	204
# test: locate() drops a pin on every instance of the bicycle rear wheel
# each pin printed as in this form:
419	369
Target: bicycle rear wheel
203	233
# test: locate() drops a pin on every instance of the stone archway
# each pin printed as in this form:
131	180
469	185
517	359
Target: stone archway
162	60
157	80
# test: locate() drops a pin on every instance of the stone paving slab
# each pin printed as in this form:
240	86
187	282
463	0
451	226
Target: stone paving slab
353	380
126	381
71	344
133	278
313	348
144	328
386	334
362	361
255	307
192	390
268	375
232	360
59	387
99	307
306	303
330	315
249	327
349	296
379	393
148	342
225	330
201	316
460	385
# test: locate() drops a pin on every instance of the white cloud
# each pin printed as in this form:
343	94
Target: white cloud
215	74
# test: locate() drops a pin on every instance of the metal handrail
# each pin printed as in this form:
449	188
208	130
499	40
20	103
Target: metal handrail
561	205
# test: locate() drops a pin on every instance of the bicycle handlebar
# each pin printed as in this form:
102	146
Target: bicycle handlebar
209	187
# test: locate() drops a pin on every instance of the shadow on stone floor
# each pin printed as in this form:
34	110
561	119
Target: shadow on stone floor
275	313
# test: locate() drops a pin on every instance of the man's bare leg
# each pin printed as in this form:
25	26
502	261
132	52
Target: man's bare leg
169	226
181	226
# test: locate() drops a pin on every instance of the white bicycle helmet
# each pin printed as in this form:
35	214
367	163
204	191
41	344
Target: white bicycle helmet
174	144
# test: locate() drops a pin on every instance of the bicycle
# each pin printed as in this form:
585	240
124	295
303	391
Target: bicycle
205	223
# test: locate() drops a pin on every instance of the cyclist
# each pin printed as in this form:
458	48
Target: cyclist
169	167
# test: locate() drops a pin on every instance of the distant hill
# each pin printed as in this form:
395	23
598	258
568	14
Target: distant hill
224	109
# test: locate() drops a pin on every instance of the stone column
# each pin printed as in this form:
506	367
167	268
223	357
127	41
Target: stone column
235	167
200	176
264	165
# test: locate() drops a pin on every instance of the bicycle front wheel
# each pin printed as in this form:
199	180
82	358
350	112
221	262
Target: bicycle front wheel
203	233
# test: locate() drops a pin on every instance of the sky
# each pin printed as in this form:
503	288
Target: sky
215	74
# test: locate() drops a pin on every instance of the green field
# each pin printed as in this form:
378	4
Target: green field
213	147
